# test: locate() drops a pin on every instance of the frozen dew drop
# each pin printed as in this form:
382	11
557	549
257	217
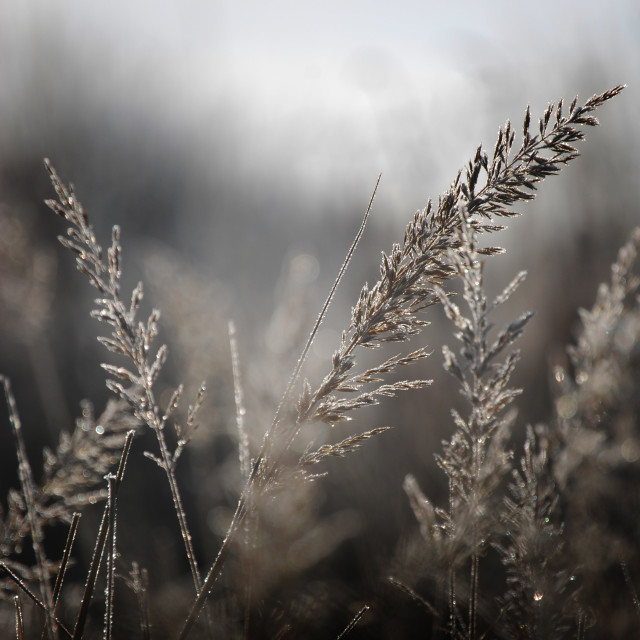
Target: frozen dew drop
99	429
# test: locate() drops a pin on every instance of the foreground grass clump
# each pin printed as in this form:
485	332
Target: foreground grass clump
541	519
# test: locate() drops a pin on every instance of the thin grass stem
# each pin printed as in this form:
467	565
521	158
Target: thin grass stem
323	312
111	558
32	596
98	551
28	491
19	618
243	437
57	588
354	621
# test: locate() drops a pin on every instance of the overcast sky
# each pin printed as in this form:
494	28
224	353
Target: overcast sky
317	93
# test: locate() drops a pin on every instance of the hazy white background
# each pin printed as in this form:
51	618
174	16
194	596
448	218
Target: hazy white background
305	100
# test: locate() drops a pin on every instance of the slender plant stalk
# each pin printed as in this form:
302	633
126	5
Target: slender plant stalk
263	466
216	568
71	535
90	584
169	468
144	607
111	558
168	465
28	490
101	540
416	597
73	529
473	598
452	602
244	454
354	621
32	596
631	587
303	356
19	618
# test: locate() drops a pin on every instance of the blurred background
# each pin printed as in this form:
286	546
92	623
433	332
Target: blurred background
237	146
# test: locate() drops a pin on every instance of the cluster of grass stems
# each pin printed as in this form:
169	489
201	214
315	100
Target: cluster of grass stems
498	500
